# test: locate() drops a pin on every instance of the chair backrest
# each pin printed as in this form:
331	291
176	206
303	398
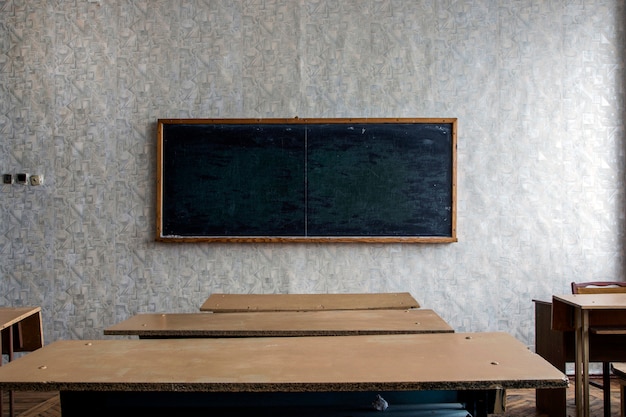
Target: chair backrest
598	287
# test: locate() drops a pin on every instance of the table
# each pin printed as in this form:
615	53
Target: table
228	303
585	314
558	348
288	323
122	377
20	331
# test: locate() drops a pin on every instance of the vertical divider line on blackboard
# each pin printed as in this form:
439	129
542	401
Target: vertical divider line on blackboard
306	181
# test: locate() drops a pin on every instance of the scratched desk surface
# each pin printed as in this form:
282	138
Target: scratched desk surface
446	361
28	320
228	303
594	301
290	323
11	315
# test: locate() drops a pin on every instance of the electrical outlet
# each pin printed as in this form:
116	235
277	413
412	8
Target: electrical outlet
21	179
7	179
36	179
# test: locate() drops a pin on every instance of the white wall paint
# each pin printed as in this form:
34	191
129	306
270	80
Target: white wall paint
538	88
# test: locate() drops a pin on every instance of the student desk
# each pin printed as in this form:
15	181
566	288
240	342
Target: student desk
289	323
557	347
228	303
267	376
586	315
20	331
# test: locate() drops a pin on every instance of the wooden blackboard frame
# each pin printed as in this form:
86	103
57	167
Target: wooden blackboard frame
449	237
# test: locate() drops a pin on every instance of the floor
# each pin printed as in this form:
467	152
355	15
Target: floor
33	404
520	403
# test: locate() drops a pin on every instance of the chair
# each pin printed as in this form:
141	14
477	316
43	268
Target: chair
619	369
599	287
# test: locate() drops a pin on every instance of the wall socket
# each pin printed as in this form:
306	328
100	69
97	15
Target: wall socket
21	178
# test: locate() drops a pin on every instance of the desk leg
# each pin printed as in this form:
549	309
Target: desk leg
585	349
578	376
581	367
1	392
11	401
10	354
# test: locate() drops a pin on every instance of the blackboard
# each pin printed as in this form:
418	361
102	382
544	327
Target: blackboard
306	180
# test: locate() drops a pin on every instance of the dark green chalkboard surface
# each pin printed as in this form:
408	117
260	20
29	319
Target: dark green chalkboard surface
306	180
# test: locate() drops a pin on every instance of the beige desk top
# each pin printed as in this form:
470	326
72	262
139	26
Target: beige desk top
289	323
603	310
448	361
228	303
12	315
608	301
28	320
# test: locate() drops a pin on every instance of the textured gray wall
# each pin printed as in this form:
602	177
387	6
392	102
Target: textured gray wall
537	86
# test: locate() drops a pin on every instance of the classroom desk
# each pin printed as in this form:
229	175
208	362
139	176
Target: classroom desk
152	376
289	323
586	314
557	347
229	303
20	331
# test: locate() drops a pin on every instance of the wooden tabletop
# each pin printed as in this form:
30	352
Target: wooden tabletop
12	315
29	324
289	323
606	312
441	361
608	301
228	303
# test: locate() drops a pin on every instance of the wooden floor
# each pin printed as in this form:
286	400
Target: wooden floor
33	404
520	403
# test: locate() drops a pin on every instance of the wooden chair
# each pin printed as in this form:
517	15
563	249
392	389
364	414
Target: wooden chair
619	369
599	287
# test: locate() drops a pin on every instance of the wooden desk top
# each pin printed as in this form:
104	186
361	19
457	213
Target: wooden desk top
228	303
605	311
12	315
608	301
29	328
442	361
290	323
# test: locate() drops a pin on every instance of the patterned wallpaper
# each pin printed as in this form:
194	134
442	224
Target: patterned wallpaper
538	88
